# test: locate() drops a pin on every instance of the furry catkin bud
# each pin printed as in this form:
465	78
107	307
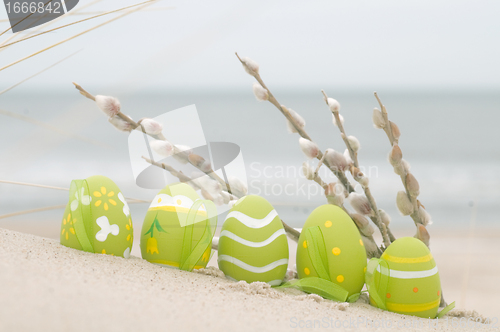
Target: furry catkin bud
237	186
386	219
364	181
412	185
403	203
225	196
425	217
251	67
423	234
215	241
370	247
333	104
260	93
360	203
218	200
151	127
200	162
402	168
395	131
406	165
209	185
336	199
347	157
378	119
333	189
310	149
336	159
395	155
299	121
356	173
354	143
363	224
120	124
183	154
307	170
334	120
109	105
163	148
231	203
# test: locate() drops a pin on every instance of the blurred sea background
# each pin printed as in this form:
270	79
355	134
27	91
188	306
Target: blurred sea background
433	63
447	136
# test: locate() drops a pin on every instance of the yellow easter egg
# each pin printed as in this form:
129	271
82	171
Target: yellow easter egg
330	247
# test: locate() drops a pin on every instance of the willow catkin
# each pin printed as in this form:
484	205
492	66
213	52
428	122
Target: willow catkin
412	185
260	93
250	66
109	105
310	149
404	205
378	119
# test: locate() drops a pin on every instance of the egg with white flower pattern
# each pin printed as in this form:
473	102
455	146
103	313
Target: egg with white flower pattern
178	228
97	218
253	244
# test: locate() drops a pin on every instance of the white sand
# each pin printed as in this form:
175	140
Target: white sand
47	287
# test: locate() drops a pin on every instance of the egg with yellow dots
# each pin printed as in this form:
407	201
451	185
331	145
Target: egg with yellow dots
341	255
97	218
178	228
406	279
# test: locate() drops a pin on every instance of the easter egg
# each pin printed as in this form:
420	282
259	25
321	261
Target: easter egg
97	218
252	243
405	279
178	229
339	253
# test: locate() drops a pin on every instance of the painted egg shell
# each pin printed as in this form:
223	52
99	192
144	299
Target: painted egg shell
414	287
345	251
253	244
162	234
97	218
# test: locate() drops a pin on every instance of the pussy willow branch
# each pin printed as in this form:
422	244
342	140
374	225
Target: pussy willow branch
341	176
377	220
161	137
292	232
388	130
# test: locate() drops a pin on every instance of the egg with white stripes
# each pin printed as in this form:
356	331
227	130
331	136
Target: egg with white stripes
252	243
340	251
413	286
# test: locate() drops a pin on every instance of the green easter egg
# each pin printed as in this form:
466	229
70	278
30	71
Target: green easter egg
253	244
97	218
341	252
413	286
169	237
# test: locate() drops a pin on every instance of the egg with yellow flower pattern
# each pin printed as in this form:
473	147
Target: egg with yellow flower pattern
339	254
97	218
178	228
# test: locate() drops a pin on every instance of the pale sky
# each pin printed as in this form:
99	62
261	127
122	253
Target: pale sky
332	44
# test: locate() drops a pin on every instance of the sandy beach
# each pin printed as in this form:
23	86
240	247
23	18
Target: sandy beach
46	286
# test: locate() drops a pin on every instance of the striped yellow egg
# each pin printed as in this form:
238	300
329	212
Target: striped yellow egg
340	246
413	286
253	244
163	234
